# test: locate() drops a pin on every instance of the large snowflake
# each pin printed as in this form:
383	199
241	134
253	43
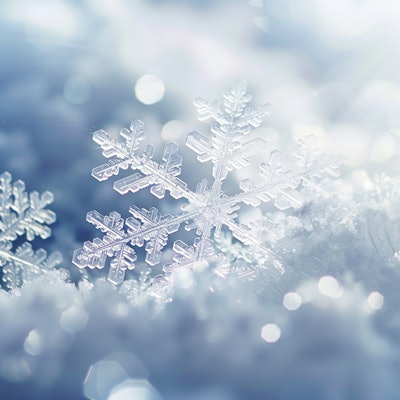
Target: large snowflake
23	214
208	209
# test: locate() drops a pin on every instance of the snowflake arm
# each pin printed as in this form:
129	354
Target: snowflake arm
207	150
125	152
282	185
114	243
194	257
25	264
234	109
122	150
228	147
120	236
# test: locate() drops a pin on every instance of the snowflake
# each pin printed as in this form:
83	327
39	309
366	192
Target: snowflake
22	213
208	209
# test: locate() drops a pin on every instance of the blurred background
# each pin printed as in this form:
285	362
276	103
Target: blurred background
68	68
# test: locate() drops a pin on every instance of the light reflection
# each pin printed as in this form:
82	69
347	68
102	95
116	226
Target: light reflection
330	287
134	389
173	130
182	278
149	89
292	301
33	343
74	319
106	377
270	333
374	302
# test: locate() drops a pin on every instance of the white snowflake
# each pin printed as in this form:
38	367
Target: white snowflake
208	209
23	214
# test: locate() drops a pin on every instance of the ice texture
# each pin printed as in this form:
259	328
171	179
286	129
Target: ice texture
209	209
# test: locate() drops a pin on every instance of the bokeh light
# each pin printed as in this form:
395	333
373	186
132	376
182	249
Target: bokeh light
292	301
34	343
134	389
374	302
74	319
117	376
270	333
149	89
173	130
330	287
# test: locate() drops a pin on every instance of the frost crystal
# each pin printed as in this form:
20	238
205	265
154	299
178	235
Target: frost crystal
23	214
208	209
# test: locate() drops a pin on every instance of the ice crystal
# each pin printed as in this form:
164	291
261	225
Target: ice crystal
23	214
136	290
208	209
380	220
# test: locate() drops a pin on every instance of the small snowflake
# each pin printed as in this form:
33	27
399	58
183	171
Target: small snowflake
23	214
